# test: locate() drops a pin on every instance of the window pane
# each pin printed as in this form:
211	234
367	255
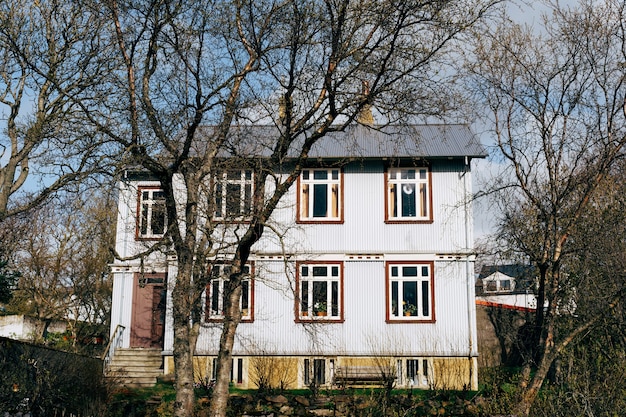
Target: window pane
423	204
215	293
218	200
335	174
320	296
305	271
393	206
408	200
408	174
409	297
233	199
409	271
245	294
319	370
304	203
425	295
394	298
320	175
158	218
247	201
304	297
334	298
320	271
307	372
144	220
320	200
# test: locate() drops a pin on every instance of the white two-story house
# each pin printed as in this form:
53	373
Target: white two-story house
372	265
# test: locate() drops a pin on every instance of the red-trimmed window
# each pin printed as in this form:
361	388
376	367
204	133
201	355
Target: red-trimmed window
320	291
320	196
408	195
410	291
215	293
151	217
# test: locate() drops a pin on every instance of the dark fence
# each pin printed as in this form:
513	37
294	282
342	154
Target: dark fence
39	381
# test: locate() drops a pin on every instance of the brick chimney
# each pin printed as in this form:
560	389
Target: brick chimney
365	116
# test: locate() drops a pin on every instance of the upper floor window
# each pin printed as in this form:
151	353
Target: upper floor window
319	291
410	291
233	194
216	293
320	195
152	218
408	194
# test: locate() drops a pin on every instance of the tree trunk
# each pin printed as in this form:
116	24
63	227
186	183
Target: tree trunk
182	349
232	317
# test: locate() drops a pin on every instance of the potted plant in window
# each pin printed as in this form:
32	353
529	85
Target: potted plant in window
320	308
409	309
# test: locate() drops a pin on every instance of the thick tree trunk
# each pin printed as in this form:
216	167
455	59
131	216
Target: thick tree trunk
182	349
232	317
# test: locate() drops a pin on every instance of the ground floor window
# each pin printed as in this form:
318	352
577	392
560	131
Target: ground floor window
410	291
320	287
315	371
415	372
236	370
216	292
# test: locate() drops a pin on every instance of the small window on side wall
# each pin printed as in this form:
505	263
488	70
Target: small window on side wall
408	194
152	218
320	195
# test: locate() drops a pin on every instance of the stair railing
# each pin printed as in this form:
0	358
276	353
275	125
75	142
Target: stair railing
114	342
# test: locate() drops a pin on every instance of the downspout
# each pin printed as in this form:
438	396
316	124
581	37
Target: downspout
471	306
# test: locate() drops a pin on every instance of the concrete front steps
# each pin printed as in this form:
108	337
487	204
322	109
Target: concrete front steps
135	367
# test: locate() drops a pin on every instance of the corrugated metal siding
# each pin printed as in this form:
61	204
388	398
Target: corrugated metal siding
364	331
364	229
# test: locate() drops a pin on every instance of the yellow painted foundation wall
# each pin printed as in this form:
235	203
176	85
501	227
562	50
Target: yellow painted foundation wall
455	374
287	372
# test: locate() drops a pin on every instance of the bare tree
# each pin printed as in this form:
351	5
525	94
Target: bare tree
49	58
190	76
63	257
558	117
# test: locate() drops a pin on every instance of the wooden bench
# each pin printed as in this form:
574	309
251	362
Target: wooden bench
351	376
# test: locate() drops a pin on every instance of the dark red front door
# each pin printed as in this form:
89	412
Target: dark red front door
148	318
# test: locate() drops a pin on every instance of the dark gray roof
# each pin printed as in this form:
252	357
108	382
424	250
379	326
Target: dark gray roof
395	141
429	141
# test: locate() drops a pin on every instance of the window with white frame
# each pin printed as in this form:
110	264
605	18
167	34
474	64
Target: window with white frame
152	218
233	194
320	195
319	291
216	293
410	291
414	372
315	372
408	194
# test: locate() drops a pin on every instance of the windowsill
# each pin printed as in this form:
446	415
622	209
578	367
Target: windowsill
320	221
319	319
404	221
405	320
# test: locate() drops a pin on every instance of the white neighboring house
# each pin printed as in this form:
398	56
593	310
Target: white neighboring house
375	262
506	286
